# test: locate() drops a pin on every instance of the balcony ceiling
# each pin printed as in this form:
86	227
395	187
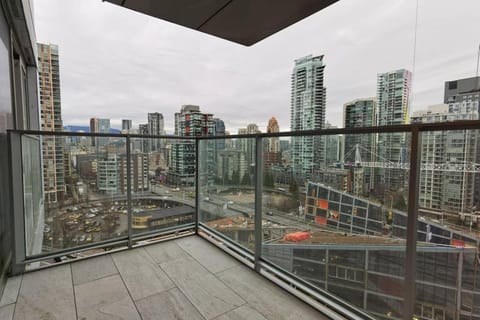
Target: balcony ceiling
241	21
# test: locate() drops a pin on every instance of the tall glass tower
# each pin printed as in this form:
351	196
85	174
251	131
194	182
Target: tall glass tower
393	92
307	112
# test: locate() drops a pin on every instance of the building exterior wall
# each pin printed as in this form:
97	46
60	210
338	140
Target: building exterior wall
142	145
126	124
230	163
393	93
139	167
156	127
190	122
19	110
108	174
360	113
98	125
451	190
307	112
271	150
51	120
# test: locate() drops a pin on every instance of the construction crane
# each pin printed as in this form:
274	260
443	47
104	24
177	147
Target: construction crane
387	164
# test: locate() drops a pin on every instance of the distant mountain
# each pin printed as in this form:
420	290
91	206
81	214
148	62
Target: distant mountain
85	129
77	128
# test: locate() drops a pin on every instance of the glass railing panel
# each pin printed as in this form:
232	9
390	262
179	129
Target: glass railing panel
448	274
226	186
33	192
163	183
446	88
336	217
76	195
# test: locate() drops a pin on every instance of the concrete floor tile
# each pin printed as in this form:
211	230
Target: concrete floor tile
168	305
105	299
10	293
46	294
142	276
93	269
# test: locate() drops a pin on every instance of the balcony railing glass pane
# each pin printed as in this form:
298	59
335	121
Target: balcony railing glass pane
226	186
334	214
33	193
448	273
84	195
162	183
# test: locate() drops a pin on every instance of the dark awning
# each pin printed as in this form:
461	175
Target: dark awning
242	21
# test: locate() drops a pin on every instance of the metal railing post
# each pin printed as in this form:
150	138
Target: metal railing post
129	192
258	201
412	222
197	184
458	309
16	202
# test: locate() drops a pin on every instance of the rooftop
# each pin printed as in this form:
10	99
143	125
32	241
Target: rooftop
185	278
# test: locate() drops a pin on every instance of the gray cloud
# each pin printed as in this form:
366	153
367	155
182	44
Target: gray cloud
117	63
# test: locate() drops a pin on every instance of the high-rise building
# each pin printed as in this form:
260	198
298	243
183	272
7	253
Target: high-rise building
126	124
274	142
307	112
51	120
93	129
357	114
333	146
458	94
219	131
98	125
219	127
142	144
231	163
219	144
445	182
190	122
247	145
393	91
271	152
139	167
108	173
156	127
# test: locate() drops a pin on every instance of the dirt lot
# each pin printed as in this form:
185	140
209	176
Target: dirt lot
282	202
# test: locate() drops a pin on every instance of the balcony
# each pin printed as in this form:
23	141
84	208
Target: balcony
350	238
186	278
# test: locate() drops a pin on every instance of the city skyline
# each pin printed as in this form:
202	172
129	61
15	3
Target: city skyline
161	76
380	220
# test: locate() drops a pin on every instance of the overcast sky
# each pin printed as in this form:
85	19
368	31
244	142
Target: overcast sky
119	64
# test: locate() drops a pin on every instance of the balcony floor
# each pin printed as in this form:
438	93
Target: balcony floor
186	278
